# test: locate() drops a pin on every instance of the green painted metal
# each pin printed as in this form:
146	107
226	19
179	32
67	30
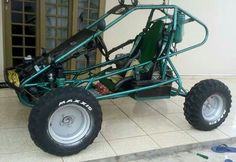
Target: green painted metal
60	82
24	100
178	18
150	40
180	27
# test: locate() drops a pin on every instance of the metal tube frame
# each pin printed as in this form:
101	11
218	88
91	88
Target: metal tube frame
166	58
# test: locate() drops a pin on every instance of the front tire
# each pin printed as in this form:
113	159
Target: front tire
207	105
65	121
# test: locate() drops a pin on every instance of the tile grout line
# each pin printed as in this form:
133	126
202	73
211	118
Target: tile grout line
126	138
129	117
137	125
175	125
223	132
166	151
109	144
192	136
163	115
107	139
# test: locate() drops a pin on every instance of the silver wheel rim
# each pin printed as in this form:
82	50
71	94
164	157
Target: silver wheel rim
69	124
213	108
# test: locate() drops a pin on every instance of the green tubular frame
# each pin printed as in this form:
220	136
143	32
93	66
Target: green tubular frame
166	59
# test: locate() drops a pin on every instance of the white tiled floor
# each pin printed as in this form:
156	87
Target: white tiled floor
129	126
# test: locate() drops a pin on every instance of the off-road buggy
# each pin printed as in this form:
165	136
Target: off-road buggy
66	116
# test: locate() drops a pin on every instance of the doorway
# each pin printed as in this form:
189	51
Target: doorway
33	25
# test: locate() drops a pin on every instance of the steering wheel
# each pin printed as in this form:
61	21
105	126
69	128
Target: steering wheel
102	47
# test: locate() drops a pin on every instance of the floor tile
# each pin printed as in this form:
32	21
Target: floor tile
138	109
106	102
155	124
178	100
100	138
202	136
10	102
228	130
230	120
126	125
165	106
95	151
172	139
34	156
15	141
7	93
115	129
179	120
13	115
112	112
132	145
124	100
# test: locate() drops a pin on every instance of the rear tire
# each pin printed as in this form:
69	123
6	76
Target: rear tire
207	104
65	121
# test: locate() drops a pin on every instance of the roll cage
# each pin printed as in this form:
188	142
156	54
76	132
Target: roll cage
70	77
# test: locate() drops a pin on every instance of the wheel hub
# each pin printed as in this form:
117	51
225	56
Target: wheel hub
213	108
69	124
67	121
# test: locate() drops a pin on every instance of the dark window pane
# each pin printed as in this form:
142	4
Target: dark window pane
17	61
62	33
30	51
29	41
16	6
30	19
17	29
17	40
17	51
50	44
51	1
51	32
51	10
62	11
62	2
83	4
62	22
17	18
93	14
51	21
30	30
94	4
30	7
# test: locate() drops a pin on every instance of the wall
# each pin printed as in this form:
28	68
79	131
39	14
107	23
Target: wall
1	43
217	57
